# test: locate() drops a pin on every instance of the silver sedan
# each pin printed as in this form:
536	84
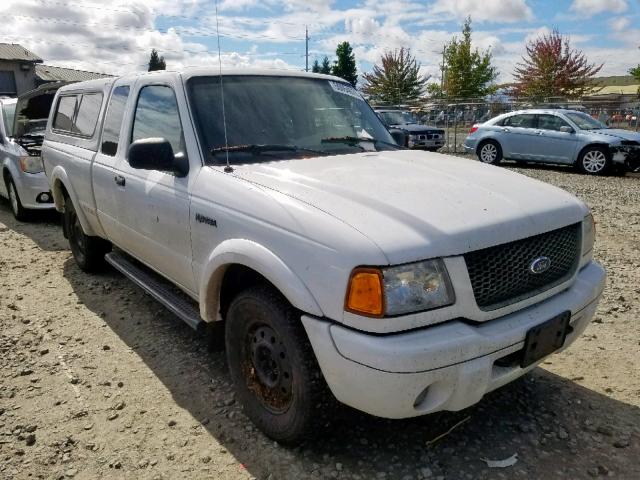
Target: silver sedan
555	136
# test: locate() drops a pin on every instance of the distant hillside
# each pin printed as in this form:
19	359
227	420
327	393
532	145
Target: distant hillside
615	81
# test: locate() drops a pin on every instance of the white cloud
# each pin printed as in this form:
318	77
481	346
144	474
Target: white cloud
486	10
619	24
589	8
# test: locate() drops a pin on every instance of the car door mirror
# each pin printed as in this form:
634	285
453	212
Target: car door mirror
566	129
156	154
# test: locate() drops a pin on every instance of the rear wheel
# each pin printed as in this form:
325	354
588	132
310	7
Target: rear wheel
594	161
87	251
276	375
490	152
18	210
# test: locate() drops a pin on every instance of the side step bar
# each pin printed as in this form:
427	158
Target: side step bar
162	290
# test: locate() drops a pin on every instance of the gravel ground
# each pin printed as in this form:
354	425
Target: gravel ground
99	381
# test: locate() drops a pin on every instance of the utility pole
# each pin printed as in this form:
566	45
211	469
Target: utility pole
306	44
444	50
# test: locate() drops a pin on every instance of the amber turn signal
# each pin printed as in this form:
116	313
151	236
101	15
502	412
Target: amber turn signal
364	294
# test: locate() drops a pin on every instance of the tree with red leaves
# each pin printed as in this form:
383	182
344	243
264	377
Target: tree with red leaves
397	80
551	68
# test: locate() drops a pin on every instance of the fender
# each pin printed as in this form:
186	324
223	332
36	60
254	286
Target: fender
266	263
57	180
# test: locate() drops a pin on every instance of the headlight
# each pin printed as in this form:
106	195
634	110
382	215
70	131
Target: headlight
400	289
588	234
30	164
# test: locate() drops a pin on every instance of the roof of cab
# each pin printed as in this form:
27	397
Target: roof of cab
187	73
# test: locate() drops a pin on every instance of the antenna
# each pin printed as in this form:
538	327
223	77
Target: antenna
228	168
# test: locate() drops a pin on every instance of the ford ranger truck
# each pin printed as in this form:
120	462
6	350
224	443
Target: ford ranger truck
273	210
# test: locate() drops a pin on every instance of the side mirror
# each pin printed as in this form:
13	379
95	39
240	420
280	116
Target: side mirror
566	129
399	136
156	154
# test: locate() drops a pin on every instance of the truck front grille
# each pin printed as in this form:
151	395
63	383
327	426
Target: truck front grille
503	275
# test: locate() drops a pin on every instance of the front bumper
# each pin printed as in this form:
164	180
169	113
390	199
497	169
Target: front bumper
31	187
627	155
448	366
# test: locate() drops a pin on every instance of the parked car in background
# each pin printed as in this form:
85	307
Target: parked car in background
416	135
23	180
557	136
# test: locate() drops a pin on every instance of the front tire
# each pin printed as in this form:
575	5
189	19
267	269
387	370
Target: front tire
19	212
87	251
594	161
276	375
490	152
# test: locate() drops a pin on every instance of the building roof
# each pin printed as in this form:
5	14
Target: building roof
13	51
49	73
616	80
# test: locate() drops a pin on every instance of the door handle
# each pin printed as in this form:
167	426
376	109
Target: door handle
506	130
120	180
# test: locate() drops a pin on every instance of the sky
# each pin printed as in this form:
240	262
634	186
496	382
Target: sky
116	37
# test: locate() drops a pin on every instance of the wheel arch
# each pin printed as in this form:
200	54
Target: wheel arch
62	189
484	140
256	261
581	152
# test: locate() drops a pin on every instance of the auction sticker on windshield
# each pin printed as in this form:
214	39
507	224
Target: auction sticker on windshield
345	89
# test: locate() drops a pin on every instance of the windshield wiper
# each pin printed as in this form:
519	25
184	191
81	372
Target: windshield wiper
351	140
259	148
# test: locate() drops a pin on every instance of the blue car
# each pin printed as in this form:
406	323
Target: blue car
556	136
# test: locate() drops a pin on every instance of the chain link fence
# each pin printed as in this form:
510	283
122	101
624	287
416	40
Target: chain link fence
456	117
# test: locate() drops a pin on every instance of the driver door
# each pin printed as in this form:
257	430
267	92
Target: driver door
153	210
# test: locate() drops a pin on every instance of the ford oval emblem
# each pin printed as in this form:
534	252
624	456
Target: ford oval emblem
540	265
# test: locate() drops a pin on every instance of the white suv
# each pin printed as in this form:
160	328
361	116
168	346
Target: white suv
407	282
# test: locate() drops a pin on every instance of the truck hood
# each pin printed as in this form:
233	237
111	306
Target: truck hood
417	205
617	133
413	127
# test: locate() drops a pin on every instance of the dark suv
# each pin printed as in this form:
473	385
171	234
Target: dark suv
416	135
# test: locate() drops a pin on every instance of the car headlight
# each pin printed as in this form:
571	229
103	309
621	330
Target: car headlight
399	289
30	164
588	234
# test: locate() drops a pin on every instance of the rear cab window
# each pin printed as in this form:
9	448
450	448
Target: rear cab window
77	114
113	120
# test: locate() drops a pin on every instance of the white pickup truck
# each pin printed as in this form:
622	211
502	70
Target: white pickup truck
277	206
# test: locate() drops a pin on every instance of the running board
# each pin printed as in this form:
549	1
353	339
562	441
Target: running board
162	290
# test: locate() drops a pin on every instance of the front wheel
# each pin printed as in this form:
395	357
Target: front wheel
490	152
594	161
276	375
87	251
19	212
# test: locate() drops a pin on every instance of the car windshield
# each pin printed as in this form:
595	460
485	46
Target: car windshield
584	121
270	117
8	114
397	118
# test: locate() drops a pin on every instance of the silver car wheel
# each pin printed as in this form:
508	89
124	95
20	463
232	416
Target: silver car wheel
13	198
488	153
594	161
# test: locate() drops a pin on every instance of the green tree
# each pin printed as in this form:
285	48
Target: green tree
396	80
635	71
156	62
326	66
468	72
315	68
551	68
345	65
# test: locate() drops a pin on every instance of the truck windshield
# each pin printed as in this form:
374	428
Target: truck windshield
270	117
397	118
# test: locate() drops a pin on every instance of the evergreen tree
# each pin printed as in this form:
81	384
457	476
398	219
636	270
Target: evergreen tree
396	80
469	72
326	66
156	62
315	68
345	66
